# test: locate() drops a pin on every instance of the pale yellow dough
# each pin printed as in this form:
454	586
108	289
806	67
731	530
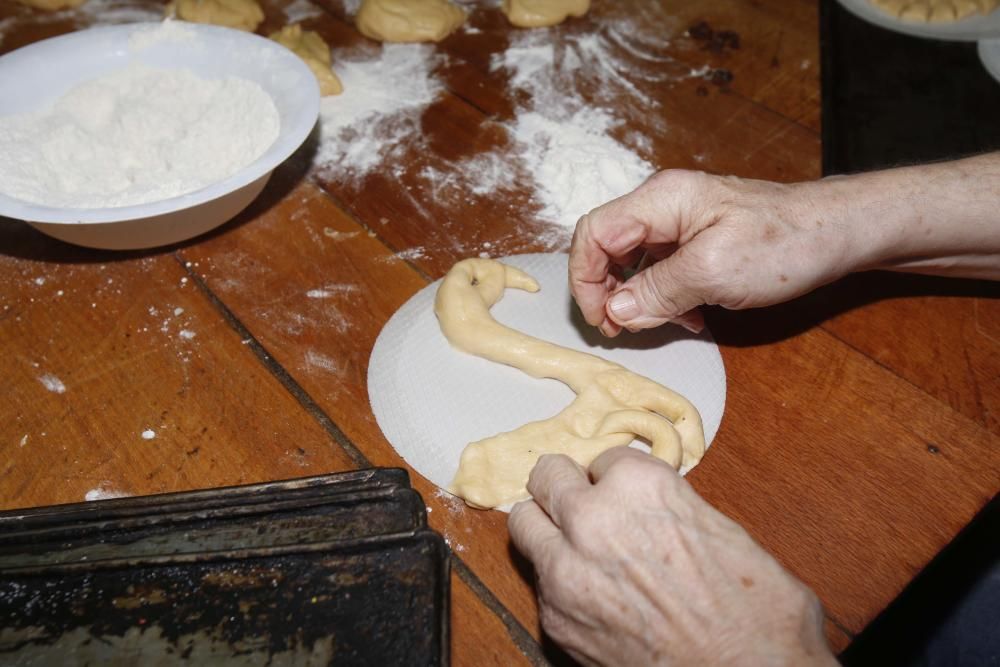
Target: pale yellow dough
612	407
52	5
314	52
408	20
239	14
541	13
936	11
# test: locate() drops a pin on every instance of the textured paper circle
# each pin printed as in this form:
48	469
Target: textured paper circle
431	400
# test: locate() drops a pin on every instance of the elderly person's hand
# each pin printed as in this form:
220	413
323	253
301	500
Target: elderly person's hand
742	243
634	568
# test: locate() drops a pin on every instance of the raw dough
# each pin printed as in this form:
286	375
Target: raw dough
936	11
541	13
613	404
408	20
52	5
314	52
240	14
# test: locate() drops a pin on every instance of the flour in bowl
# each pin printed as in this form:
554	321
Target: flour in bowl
135	136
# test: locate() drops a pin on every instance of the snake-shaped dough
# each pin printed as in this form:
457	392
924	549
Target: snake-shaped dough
613	404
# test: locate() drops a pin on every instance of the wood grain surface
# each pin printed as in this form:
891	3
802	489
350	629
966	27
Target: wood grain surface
861	430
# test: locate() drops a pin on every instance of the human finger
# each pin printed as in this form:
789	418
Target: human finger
617	457
531	529
591	277
555	483
659	294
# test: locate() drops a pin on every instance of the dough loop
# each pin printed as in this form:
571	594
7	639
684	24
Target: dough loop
612	407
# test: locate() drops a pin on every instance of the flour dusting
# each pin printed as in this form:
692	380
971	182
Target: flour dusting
316	360
378	115
330	291
300	10
52	383
104	492
577	166
90	13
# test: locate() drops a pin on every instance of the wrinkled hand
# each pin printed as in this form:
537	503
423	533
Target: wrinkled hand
634	568
720	240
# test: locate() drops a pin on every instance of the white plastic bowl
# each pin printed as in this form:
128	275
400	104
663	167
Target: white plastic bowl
36	75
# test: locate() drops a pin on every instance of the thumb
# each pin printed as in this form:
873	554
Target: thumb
657	295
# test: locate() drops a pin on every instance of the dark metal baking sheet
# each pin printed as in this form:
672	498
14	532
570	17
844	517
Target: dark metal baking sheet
286	519
384	602
201	500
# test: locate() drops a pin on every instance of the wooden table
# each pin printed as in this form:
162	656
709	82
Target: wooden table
862	429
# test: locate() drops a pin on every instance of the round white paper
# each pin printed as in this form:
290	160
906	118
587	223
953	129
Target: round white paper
431	400
970	29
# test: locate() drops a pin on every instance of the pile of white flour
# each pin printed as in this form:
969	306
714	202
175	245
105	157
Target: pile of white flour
135	136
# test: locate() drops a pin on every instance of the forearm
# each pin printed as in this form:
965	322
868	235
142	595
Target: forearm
941	219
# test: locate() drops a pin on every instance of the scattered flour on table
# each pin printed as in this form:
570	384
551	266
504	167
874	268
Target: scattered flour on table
104	492
568	140
564	137
136	135
330	291
569	137
52	383
314	359
89	14
377	117
300	10
576	165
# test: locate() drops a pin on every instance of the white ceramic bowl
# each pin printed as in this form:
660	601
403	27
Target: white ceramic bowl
36	75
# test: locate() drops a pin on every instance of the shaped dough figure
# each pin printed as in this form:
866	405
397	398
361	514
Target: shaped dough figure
239	14
936	11
613	404
408	20
542	13
314	52
52	5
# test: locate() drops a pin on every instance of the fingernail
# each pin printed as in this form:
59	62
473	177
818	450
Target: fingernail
623	306
693	328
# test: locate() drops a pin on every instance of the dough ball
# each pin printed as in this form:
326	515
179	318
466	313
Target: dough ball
239	14
309	46
408	20
936	11
52	5
541	13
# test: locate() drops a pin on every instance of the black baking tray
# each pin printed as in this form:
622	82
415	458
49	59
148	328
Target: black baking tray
891	99
381	602
202	500
298	519
357	577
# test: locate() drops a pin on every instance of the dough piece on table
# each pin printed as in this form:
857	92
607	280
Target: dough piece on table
408	20
542	13
52	5
314	52
612	407
239	14
936	11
